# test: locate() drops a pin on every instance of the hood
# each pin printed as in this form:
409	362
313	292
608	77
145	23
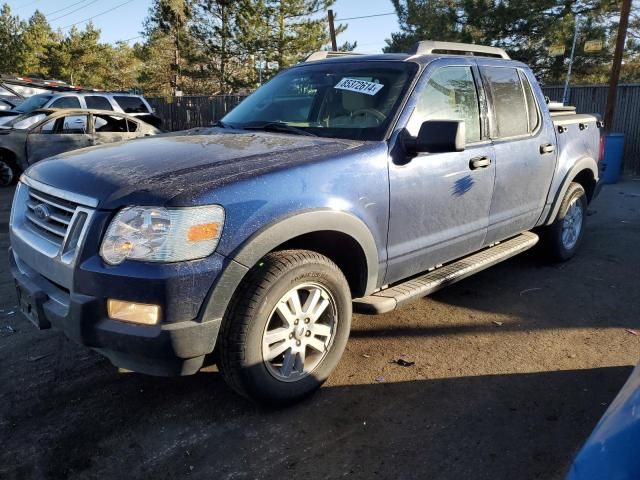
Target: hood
157	170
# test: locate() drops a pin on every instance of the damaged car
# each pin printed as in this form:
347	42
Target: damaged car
34	136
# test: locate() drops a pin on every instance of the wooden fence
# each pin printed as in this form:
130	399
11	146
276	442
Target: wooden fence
593	99
181	113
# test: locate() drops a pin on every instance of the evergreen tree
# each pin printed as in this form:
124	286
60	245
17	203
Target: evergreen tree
525	28
36	42
10	41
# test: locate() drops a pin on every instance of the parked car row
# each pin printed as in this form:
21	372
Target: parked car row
38	134
134	105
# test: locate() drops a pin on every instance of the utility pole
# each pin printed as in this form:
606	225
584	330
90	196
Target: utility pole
617	64
332	32
565	93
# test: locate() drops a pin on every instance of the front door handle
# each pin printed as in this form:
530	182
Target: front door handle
479	162
547	148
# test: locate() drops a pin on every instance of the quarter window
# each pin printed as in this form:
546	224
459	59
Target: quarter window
131	104
532	106
510	107
450	94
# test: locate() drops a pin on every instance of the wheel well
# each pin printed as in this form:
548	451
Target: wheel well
339	247
588	182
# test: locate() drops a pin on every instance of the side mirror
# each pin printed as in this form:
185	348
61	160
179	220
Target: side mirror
438	136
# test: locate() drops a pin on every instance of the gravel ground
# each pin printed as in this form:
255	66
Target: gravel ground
513	368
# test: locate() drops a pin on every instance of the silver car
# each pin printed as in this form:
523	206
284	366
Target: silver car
33	136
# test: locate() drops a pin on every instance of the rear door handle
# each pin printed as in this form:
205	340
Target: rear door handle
479	162
547	148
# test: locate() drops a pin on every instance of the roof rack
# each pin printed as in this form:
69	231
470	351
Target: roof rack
427	47
323	55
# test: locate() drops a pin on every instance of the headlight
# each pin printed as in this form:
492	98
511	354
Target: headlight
155	234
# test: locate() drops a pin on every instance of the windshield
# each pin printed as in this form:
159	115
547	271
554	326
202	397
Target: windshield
33	103
22	122
341	100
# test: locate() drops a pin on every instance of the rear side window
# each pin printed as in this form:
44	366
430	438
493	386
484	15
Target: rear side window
450	94
98	103
510	107
113	124
131	104
66	102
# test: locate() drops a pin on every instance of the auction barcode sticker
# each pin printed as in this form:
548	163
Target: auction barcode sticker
360	86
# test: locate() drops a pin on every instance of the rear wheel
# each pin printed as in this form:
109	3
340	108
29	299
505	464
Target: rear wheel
286	327
564	235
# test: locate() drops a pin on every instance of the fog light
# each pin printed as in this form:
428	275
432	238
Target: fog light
133	312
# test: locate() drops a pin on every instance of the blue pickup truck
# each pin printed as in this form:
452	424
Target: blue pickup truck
347	182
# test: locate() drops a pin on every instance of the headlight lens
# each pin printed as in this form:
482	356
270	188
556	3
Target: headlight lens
155	234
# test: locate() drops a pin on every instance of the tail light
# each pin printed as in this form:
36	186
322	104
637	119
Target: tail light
601	154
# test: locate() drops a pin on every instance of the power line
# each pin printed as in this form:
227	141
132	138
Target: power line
27	5
97	15
366	16
73	11
65	8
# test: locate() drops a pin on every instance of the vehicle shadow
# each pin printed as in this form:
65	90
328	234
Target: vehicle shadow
101	424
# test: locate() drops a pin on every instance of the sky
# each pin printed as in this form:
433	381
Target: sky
122	19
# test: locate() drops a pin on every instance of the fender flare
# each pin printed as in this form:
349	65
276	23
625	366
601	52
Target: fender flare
585	163
271	236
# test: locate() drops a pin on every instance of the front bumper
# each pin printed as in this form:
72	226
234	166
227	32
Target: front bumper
177	348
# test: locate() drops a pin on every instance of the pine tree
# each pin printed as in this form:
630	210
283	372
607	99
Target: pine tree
10	41
36	42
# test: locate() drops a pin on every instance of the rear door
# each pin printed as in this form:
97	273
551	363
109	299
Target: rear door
439	202
114	128
524	145
58	135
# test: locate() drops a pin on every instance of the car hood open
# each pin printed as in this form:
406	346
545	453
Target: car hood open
162	169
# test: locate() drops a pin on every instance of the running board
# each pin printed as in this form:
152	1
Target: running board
390	298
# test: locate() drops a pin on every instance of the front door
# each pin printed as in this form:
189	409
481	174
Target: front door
439	203
58	135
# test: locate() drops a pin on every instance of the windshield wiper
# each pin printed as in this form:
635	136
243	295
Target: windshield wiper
279	127
221	124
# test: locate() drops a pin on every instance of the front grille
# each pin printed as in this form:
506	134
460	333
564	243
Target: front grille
49	216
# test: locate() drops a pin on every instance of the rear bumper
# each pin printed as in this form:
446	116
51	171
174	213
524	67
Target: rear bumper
167	349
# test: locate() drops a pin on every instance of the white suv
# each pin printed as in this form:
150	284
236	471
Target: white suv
134	105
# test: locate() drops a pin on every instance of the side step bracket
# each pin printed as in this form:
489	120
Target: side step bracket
392	297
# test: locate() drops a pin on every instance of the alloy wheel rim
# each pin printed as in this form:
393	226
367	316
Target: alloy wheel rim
572	224
299	333
6	174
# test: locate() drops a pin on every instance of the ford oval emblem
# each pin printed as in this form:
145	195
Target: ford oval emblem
42	212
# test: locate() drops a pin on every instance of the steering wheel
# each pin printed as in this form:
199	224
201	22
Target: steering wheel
370	111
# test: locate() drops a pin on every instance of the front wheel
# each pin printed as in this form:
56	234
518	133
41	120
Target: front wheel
564	235
286	328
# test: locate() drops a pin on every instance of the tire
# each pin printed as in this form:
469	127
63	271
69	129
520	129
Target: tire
563	237
263	333
9	171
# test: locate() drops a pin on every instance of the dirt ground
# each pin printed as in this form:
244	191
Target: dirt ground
513	368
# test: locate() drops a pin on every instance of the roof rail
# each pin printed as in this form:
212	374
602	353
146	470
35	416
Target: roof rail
426	47
323	55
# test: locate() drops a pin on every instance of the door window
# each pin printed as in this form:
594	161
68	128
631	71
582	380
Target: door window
97	102
509	104
450	94
66	102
